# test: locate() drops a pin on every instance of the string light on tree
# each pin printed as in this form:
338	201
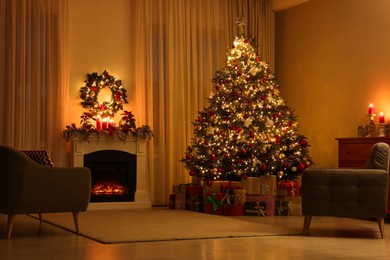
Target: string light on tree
247	129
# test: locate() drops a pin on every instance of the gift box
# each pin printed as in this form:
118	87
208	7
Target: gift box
282	207
180	188
180	200
228	197
288	188
268	185
255	208
195	198
268	200
251	185
171	202
295	205
239	197
213	203
214	187
233	210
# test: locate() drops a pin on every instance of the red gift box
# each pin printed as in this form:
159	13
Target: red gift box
289	188
233	210
213	203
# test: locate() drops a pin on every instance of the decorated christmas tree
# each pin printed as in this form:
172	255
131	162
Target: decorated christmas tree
247	129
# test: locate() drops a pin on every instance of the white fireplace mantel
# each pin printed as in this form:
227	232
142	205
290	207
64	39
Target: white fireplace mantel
133	146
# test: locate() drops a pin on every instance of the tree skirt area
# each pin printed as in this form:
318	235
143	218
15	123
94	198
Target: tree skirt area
161	224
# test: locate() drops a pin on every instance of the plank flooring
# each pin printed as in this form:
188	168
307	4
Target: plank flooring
330	238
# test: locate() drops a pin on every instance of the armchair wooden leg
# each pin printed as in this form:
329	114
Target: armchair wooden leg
10	225
40	217
381	224
306	224
76	222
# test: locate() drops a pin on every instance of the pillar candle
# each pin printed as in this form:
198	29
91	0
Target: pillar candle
371	109
105	124
98	124
381	118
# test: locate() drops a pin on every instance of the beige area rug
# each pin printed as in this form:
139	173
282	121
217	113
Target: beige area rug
160	224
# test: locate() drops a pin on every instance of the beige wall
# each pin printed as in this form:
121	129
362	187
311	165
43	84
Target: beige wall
332	60
99	39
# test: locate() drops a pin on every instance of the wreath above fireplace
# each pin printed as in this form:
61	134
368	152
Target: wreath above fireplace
90	94
103	111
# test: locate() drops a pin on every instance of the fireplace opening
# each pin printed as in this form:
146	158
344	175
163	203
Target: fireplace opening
113	175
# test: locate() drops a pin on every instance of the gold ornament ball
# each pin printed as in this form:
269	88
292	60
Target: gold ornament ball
280	174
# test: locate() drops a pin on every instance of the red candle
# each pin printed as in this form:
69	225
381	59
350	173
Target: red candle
381	118
371	109
105	124
98	124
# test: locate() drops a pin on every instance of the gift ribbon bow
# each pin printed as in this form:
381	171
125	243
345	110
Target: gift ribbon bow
216	203
260	209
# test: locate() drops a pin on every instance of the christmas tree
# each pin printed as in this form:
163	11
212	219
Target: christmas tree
247	130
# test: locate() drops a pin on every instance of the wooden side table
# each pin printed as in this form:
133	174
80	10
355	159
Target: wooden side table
353	153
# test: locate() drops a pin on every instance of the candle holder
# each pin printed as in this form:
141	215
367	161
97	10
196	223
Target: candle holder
371	126
382	129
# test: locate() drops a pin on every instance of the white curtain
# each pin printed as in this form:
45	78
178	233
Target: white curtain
178	45
33	75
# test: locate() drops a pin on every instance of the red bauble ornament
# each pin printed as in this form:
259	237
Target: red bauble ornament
244	177
264	167
213	157
192	173
302	167
263	98
188	156
251	134
303	142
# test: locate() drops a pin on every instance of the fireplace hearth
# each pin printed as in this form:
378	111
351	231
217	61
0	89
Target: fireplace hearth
113	175
137	148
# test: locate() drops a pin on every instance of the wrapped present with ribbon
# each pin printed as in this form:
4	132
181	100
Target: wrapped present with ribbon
180	201
180	188
255	209
251	185
233	210
268	185
195	198
239	197
268	200
213	204
228	197
295	208
288	188
214	186
282	207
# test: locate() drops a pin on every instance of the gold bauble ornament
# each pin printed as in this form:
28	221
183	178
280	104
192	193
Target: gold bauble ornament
280	174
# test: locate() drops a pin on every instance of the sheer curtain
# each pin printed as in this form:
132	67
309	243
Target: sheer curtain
178	47
33	75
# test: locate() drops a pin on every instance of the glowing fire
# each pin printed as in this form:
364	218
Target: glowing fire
108	189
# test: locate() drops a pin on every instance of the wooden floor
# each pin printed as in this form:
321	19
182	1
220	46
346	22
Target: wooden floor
330	238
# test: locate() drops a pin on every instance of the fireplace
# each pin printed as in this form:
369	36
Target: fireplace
132	148
113	175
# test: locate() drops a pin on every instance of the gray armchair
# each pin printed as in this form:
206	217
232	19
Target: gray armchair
29	187
353	193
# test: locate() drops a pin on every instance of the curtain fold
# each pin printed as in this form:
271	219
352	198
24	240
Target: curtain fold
33	75
179	45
